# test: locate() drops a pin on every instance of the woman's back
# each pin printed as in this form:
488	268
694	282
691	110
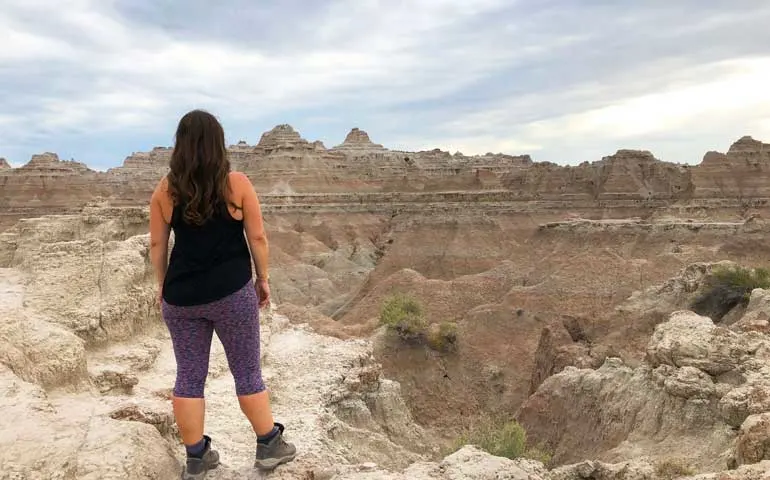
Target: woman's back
208	261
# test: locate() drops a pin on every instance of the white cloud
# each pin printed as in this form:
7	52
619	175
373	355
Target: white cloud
487	75
741	92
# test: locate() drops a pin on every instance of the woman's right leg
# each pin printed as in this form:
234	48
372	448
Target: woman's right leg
191	338
237	326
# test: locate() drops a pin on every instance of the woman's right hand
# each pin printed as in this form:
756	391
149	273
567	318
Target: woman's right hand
263	290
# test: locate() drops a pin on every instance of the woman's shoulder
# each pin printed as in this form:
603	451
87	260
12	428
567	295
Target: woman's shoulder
239	181
161	189
237	176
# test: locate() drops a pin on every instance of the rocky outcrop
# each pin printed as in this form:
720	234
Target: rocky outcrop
145	165
628	174
41	442
358	141
757	315
699	382
563	346
676	293
283	161
741	173
468	463
4	164
284	139
107	297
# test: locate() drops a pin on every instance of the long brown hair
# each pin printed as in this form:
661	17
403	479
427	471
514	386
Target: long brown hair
199	167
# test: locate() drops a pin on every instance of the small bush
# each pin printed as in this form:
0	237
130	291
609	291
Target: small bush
443	338
673	468
502	439
538	454
728	288
403	314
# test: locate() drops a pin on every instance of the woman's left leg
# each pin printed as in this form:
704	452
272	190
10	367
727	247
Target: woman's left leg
191	338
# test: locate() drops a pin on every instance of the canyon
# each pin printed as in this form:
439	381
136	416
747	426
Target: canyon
571	289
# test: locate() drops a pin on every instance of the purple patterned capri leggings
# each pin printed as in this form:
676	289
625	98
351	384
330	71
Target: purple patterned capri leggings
235	318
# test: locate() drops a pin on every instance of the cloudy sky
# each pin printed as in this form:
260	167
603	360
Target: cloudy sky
563	80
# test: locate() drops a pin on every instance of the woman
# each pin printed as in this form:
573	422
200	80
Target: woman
206	286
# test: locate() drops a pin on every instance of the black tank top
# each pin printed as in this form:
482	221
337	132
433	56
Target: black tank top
208	262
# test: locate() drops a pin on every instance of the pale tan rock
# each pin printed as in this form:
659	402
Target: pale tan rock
715	350
753	445
38	351
160	418
689	382
113	380
358	140
107	295
676	293
468	463
757	315
638	469
745	400
663	408
39	443
114	449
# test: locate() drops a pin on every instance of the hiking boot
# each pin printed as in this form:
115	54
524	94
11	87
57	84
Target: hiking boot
196	468
275	452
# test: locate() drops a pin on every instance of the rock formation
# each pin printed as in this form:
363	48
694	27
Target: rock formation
284	139
84	354
628	174
84	385
4	163
358	140
698	384
283	160
140	165
103	338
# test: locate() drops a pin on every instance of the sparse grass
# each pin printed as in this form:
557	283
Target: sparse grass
729	287
501	438
673	468
403	315
443	338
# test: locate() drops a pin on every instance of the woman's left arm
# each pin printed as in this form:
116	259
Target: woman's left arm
159	234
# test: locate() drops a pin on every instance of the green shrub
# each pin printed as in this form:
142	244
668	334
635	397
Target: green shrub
728	287
538	454
443	338
673	468
507	440
503	439
403	315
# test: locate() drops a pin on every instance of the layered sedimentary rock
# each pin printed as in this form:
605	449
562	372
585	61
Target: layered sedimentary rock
48	185
286	164
143	164
358	140
698	384
743	172
628	174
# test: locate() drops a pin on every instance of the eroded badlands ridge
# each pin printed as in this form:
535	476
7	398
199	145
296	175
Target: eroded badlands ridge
360	172
86	368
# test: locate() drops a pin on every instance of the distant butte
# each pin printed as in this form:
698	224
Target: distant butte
358	139
284	139
365	172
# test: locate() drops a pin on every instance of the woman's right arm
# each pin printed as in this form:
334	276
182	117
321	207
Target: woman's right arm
254	226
